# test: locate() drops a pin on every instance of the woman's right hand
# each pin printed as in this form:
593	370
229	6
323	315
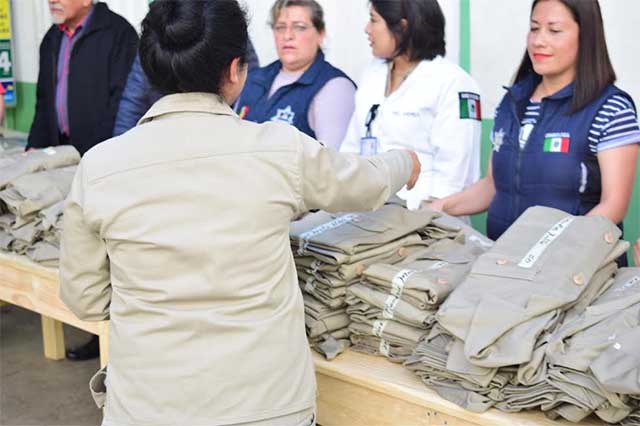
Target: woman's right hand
415	172
636	253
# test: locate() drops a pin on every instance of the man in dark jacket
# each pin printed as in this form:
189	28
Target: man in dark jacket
84	61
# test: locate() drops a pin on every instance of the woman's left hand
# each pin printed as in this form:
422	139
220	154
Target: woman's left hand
433	204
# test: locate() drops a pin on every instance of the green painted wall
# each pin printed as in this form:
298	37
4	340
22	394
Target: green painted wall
632	222
465	35
20	117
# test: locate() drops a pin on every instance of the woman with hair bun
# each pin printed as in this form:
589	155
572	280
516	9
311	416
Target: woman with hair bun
178	232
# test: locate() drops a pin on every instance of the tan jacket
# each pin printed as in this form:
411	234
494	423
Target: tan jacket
178	231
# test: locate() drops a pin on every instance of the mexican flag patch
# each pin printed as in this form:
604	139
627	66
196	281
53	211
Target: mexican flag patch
557	142
470	106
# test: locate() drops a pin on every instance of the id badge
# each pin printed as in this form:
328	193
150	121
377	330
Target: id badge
368	146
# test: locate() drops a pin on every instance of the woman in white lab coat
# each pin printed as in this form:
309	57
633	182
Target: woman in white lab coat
411	97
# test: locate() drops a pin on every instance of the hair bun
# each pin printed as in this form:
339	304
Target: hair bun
188	45
176	25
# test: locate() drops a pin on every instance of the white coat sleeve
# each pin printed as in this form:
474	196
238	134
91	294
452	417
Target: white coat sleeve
351	142
456	140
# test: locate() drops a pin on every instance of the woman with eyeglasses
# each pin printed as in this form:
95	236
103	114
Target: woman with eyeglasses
564	135
301	88
412	97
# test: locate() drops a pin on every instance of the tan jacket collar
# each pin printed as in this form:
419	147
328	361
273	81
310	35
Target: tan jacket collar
187	102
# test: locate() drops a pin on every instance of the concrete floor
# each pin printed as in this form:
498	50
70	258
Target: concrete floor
35	391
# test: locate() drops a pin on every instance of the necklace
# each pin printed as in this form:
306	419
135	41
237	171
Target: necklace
406	75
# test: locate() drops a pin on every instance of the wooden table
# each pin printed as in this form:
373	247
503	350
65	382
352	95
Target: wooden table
362	390
353	390
31	286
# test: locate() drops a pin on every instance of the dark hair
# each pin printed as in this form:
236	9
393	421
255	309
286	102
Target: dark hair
317	14
188	45
594	71
423	36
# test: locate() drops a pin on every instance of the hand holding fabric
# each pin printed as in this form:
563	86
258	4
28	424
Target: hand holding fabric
415	173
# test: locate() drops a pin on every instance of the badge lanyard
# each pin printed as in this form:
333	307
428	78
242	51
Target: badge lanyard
369	144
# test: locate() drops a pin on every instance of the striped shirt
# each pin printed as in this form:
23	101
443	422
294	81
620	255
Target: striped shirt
615	124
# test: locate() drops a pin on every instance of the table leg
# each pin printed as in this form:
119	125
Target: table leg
52	338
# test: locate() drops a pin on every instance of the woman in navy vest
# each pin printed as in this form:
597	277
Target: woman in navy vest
301	88
564	135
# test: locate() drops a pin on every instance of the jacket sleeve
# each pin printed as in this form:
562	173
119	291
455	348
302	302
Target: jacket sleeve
135	100
252	60
456	140
334	181
85	284
122	56
39	132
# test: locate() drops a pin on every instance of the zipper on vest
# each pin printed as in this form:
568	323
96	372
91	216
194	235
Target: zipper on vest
516	198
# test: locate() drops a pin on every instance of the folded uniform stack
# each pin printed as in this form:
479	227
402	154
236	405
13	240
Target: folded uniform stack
439	361
33	186
331	253
394	306
594	357
536	324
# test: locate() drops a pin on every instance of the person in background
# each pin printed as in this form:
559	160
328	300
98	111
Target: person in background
84	61
301	88
564	135
138	95
412	97
178	233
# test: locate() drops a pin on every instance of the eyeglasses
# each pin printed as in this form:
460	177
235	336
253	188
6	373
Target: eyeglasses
295	28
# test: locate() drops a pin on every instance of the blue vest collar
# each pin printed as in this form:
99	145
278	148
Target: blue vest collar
522	90
268	74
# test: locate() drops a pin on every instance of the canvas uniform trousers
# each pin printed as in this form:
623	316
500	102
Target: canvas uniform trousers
518	288
355	233
429	362
332	251
38	160
409	292
26	195
33	186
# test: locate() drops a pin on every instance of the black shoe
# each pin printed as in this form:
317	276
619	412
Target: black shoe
89	350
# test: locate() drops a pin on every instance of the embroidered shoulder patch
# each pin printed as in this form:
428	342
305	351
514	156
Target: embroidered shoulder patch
470	108
285	115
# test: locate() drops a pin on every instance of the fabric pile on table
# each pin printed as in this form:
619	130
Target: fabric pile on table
544	320
33	187
394	306
331	253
